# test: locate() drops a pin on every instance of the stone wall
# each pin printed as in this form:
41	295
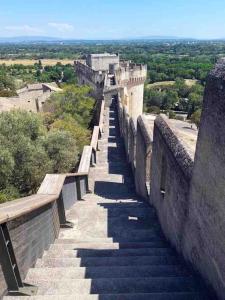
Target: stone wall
189	194
187	187
30	98
102	62
143	157
132	144
171	168
204	235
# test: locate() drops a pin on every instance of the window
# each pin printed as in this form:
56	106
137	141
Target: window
163	176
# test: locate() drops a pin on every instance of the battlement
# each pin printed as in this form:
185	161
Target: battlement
111	77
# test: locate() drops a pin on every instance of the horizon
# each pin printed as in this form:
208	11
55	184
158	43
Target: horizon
92	20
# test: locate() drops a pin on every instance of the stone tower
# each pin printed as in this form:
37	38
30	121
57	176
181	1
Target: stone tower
110	77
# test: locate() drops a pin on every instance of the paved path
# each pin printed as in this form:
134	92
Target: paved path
116	251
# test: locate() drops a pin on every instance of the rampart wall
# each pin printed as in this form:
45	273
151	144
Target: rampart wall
186	186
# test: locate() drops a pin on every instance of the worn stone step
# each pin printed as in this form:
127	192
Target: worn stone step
149	235
109	253
85	240
117	285
117	234
131	212
107	261
95	245
106	272
127	239
135	296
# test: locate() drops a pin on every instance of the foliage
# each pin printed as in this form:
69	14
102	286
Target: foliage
178	96
9	193
28	151
74	101
171	114
79	133
153	110
62	150
17	76
196	117
7	86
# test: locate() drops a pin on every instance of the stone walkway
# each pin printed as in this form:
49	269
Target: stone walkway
116	250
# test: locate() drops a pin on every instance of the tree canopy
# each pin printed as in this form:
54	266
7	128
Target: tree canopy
32	145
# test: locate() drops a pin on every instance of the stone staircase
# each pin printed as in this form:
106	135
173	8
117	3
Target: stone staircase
116	250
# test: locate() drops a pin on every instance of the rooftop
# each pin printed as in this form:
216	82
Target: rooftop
103	55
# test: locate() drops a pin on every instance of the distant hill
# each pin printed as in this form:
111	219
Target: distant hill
46	39
28	39
160	38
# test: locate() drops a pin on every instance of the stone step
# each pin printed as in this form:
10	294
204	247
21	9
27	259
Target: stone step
131	212
106	272
95	245
108	253
135	296
118	233
106	261
152	237
85	240
117	285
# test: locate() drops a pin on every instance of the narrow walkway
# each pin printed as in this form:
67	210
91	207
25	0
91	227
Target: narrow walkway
116	251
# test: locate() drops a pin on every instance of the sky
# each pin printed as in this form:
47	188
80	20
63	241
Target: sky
112	19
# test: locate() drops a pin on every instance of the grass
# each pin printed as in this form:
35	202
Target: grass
29	62
189	82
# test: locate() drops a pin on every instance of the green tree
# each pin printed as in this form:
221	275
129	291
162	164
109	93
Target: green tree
196	117
62	150
75	101
79	133
170	99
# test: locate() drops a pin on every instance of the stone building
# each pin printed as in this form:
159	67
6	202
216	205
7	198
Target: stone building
30	98
107	75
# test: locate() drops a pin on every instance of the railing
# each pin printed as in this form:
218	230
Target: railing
29	225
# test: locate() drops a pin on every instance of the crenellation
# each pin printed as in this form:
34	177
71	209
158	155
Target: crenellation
111	77
184	168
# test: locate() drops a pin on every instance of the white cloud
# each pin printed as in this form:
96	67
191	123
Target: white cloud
62	27
25	29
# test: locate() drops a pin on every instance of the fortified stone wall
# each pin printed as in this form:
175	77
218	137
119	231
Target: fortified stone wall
204	236
108	76
187	185
87	75
170	180
102	62
138	137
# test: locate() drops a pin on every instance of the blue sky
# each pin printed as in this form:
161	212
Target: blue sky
93	19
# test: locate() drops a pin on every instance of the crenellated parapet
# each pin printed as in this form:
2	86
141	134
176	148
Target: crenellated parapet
111	77
185	170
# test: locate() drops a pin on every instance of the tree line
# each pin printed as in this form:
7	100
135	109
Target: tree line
32	145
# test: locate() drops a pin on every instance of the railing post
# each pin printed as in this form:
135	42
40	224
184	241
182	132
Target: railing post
10	267
93	158
8	260
62	215
86	183
78	188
